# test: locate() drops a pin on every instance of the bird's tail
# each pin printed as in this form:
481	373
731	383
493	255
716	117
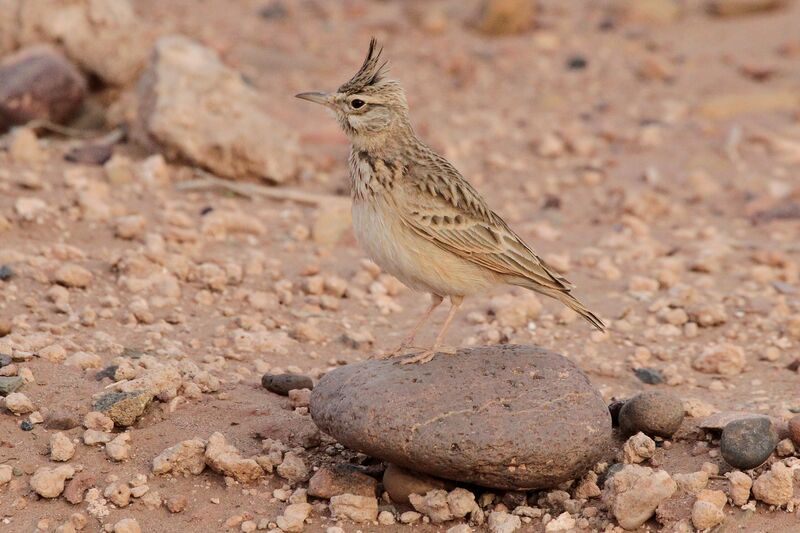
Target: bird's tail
574	304
565	298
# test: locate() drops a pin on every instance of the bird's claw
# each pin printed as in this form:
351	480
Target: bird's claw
422	357
425	356
400	350
383	356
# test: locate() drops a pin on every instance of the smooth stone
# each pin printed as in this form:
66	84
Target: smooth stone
123	407
794	429
90	154
283	383
61	419
38	82
718	421
10	384
748	442
5	360
654	413
508	417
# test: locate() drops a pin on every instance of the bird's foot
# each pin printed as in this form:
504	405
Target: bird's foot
382	356
422	357
425	356
393	353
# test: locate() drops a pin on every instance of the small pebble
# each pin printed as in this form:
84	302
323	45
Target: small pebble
6	273
794	430
283	383
748	442
651	376
654	413
577	62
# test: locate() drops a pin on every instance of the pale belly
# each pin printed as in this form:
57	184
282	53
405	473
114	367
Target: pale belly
415	261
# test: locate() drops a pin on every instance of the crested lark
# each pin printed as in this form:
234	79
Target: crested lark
416	215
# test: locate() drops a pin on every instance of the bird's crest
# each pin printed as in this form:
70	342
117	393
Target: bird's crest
371	73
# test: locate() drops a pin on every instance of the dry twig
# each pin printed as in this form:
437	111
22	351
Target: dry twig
252	190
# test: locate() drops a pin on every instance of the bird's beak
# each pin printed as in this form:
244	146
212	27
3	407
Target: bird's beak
325	99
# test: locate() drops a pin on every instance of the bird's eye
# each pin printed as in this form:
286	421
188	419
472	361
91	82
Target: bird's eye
357	103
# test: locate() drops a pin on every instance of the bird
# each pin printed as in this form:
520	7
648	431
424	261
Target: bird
417	217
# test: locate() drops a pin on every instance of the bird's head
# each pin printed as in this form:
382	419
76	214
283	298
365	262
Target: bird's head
369	107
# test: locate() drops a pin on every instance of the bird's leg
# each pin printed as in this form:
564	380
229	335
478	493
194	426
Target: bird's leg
436	300
427	355
455	305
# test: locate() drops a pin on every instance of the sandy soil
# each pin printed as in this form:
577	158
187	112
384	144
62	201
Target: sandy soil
639	176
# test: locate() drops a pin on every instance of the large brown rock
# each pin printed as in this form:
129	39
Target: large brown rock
105	38
196	108
510	417
39	83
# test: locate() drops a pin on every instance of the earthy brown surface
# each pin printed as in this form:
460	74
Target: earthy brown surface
662	178
509	417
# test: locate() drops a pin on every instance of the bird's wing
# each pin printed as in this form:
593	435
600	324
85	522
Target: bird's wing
444	208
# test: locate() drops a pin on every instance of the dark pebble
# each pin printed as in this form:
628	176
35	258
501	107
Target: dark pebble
748	442
794	365
654	413
9	384
614	408
6	273
607	24
90	154
651	376
5	360
274	11
107	372
577	63
283	383
551	201
26	425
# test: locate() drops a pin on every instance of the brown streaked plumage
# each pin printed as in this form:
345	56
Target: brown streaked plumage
415	214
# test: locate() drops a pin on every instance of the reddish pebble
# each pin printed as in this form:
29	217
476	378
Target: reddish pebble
794	429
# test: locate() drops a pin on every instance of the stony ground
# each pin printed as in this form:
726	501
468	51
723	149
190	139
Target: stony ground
650	153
